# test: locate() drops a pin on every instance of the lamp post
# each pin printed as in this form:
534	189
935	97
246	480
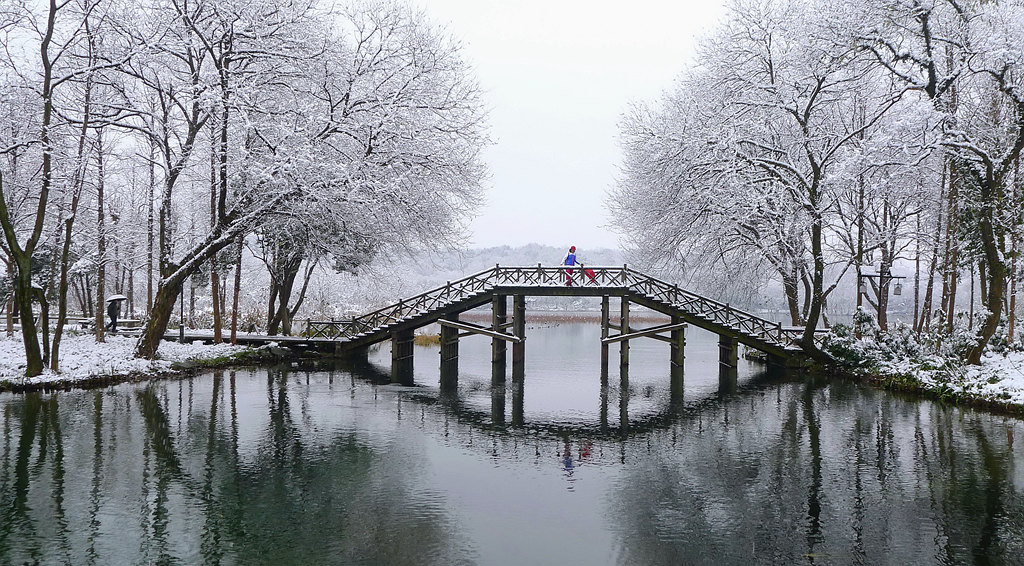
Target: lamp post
883	280
181	317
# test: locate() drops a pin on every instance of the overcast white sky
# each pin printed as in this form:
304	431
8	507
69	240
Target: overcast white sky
557	77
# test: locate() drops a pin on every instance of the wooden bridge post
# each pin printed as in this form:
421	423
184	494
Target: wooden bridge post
519	329
499	315
517	402
728	360
450	353
605	322
624	329
498	405
401	357
678	353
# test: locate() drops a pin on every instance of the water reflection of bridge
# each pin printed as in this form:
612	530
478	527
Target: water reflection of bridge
614	420
497	285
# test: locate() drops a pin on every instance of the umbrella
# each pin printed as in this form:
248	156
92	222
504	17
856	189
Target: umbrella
116	298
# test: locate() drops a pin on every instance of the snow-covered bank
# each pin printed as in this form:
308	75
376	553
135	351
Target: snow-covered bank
932	363
999	380
82	358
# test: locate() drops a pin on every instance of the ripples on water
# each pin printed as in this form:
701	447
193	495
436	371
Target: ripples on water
335	466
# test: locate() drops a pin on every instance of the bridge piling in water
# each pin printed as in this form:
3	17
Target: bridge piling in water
450	353
519	329
402	356
624	329
728	362
604	334
678	348
499	318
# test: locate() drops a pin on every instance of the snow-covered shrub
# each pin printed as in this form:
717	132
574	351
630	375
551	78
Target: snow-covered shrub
864	323
844	346
963	338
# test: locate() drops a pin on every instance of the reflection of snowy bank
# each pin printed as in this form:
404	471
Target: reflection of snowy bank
82	359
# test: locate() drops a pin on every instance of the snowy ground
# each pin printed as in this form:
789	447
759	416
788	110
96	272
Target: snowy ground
999	378
81	357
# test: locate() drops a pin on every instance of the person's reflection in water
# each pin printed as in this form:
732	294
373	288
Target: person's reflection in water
568	466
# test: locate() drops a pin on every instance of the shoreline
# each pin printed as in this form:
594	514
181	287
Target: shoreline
180	361
90	369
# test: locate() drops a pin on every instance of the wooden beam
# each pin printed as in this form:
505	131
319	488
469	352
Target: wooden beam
476	329
644	332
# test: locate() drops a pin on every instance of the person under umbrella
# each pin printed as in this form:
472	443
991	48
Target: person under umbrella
114	310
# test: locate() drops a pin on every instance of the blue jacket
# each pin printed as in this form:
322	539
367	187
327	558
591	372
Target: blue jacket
570	260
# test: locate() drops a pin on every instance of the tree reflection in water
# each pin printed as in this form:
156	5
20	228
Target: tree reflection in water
282	466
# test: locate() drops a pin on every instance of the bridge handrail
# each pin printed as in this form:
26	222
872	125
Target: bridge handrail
721	313
402	309
540	275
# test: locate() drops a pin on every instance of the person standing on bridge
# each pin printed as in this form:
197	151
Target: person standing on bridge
570	259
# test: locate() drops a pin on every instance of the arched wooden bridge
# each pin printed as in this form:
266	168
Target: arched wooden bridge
493	286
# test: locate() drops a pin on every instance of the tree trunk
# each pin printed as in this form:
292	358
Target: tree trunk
952	265
234	292
791	289
150	222
917	271
62	291
167	294
1011	311
281	318
101	242
214	278
970	306
982	283
10	299
807	341
44	322
996	271
23	297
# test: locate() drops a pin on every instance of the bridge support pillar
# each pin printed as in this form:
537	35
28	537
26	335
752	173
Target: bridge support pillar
605	323
728	360
401	357
519	329
678	354
499	316
498	405
517	402
450	354
624	329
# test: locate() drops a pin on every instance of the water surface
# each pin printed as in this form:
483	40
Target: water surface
332	465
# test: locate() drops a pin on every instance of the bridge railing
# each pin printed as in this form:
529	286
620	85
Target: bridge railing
405	308
546	276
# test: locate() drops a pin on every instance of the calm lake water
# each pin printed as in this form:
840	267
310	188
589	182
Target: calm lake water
305	465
